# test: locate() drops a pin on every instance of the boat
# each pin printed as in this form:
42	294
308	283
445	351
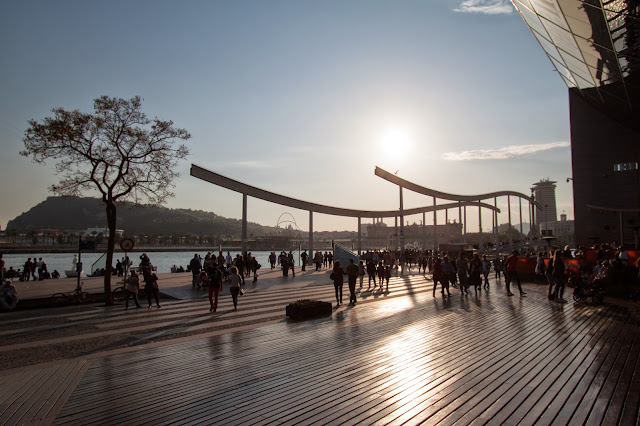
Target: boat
72	273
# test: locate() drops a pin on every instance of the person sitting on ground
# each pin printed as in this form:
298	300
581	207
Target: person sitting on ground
55	274
11	273
8	296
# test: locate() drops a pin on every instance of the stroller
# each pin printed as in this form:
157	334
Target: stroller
584	289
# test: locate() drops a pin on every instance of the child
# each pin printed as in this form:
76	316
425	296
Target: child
203	279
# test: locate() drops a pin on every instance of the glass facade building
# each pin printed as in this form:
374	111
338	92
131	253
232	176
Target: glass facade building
595	48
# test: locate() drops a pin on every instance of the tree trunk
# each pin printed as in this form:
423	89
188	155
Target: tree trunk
111	224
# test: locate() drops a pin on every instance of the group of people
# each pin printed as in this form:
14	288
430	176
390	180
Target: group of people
212	271
132	287
352	271
33	269
322	260
473	272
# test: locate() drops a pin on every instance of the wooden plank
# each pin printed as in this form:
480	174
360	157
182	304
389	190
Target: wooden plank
460	360
585	392
499	400
34	401
495	382
23	390
48	411
336	384
561	372
618	357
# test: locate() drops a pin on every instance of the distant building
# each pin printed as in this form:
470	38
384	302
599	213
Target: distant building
563	230
544	193
379	236
103	231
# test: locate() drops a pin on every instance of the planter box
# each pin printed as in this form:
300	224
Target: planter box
305	309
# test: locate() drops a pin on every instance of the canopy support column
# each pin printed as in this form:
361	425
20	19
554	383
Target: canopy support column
244	223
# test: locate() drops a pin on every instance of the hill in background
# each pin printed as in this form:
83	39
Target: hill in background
81	213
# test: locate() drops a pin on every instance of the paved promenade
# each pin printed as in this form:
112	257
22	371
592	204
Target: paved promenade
398	356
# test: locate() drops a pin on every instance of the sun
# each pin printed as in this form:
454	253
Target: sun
395	141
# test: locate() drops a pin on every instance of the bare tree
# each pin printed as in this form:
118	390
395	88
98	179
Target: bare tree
116	150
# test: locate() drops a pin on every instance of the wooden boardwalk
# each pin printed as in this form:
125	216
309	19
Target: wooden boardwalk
401	357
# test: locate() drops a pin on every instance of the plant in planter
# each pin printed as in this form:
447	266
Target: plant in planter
306	308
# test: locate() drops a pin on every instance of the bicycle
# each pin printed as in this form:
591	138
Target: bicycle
77	296
119	294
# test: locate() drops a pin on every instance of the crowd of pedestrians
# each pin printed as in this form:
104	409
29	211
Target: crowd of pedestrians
465	271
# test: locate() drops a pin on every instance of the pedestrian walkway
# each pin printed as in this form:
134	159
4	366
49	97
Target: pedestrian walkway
398	356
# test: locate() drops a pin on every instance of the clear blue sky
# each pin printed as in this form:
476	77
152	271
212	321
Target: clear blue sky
299	97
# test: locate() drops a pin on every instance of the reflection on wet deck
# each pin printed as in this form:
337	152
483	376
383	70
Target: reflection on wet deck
411	359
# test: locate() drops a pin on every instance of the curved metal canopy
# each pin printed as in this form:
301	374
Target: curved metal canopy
443	195
234	185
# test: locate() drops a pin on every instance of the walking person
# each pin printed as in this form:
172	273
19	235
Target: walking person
240	265
387	275
475	270
539	266
352	274
284	265
361	271
215	284
291	263
437	275
486	267
371	271
26	270
34	268
558	276
447	271
317	259
195	267
338	280
234	286
380	272
254	268
151	286
512	273
548	273
304	257
463	270
132	288
497	266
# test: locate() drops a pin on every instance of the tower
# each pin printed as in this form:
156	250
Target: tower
545	194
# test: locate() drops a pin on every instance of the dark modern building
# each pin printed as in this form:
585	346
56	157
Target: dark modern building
595	47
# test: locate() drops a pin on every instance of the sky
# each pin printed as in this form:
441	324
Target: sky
301	98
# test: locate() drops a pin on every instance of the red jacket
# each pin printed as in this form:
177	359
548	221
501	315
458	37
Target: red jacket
511	263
